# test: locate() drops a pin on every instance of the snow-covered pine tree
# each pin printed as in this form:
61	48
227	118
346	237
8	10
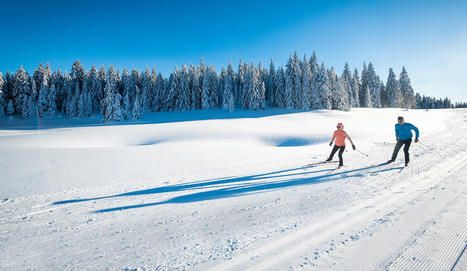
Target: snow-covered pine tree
147	87
228	102
288	91
88	110
111	101
77	74
256	90
21	87
221	79
137	105
48	74
366	100
160	86
51	101
38	76
279	94
26	107
232	75
195	88
393	90
374	87
418	101
101	77
363	85
246	95
73	100
240	83
128	85
347	84
320	90
42	97
215	86
154	101
170	102
306	85
294	73
127	111
10	109
406	89
297	82
314	63
356	89
93	88
270	84
8	87
341	97
2	96
384	96
332	86
183	102
136	79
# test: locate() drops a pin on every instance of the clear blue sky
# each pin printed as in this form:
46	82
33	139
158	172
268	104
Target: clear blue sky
428	37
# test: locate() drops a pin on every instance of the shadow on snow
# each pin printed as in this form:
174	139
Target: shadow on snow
231	186
149	118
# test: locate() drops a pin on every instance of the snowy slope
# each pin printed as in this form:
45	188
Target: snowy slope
232	191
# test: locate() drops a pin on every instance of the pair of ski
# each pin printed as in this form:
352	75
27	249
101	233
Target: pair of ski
387	163
321	163
339	167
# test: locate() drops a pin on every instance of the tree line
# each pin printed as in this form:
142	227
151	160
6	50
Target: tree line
301	84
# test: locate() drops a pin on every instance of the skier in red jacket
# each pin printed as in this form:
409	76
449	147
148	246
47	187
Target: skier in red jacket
340	136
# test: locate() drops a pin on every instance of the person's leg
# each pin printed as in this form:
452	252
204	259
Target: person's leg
396	149
341	160
332	153
406	149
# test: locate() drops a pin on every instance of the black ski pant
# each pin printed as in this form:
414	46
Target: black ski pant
399	144
334	150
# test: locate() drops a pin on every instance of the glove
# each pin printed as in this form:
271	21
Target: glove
330	143
397	139
416	140
353	147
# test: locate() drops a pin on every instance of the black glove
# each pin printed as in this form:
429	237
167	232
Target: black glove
353	147
397	139
330	143
416	140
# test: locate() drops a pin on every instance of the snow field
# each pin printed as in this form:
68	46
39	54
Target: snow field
234	194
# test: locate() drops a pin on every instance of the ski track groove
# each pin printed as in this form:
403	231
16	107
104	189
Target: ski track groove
446	248
278	243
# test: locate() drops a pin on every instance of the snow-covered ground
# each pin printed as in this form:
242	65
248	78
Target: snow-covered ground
210	190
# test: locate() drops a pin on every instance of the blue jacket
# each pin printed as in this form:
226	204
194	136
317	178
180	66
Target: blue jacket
404	131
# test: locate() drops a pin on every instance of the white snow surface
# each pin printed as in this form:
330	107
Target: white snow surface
214	190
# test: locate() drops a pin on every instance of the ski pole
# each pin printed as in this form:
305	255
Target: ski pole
361	152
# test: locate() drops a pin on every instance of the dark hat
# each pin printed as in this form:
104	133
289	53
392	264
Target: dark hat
400	118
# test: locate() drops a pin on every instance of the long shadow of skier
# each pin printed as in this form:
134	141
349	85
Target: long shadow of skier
212	183
249	188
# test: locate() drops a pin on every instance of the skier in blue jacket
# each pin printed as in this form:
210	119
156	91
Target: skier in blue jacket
404	137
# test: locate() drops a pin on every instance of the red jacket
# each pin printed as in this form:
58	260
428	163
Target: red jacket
340	136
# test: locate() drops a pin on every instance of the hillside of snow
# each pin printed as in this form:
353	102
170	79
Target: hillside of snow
213	190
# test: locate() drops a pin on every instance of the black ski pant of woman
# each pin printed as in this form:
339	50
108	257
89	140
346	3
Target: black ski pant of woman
334	150
399	144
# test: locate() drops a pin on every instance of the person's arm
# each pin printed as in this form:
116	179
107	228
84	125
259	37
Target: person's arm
333	137
350	139
416	132
397	132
